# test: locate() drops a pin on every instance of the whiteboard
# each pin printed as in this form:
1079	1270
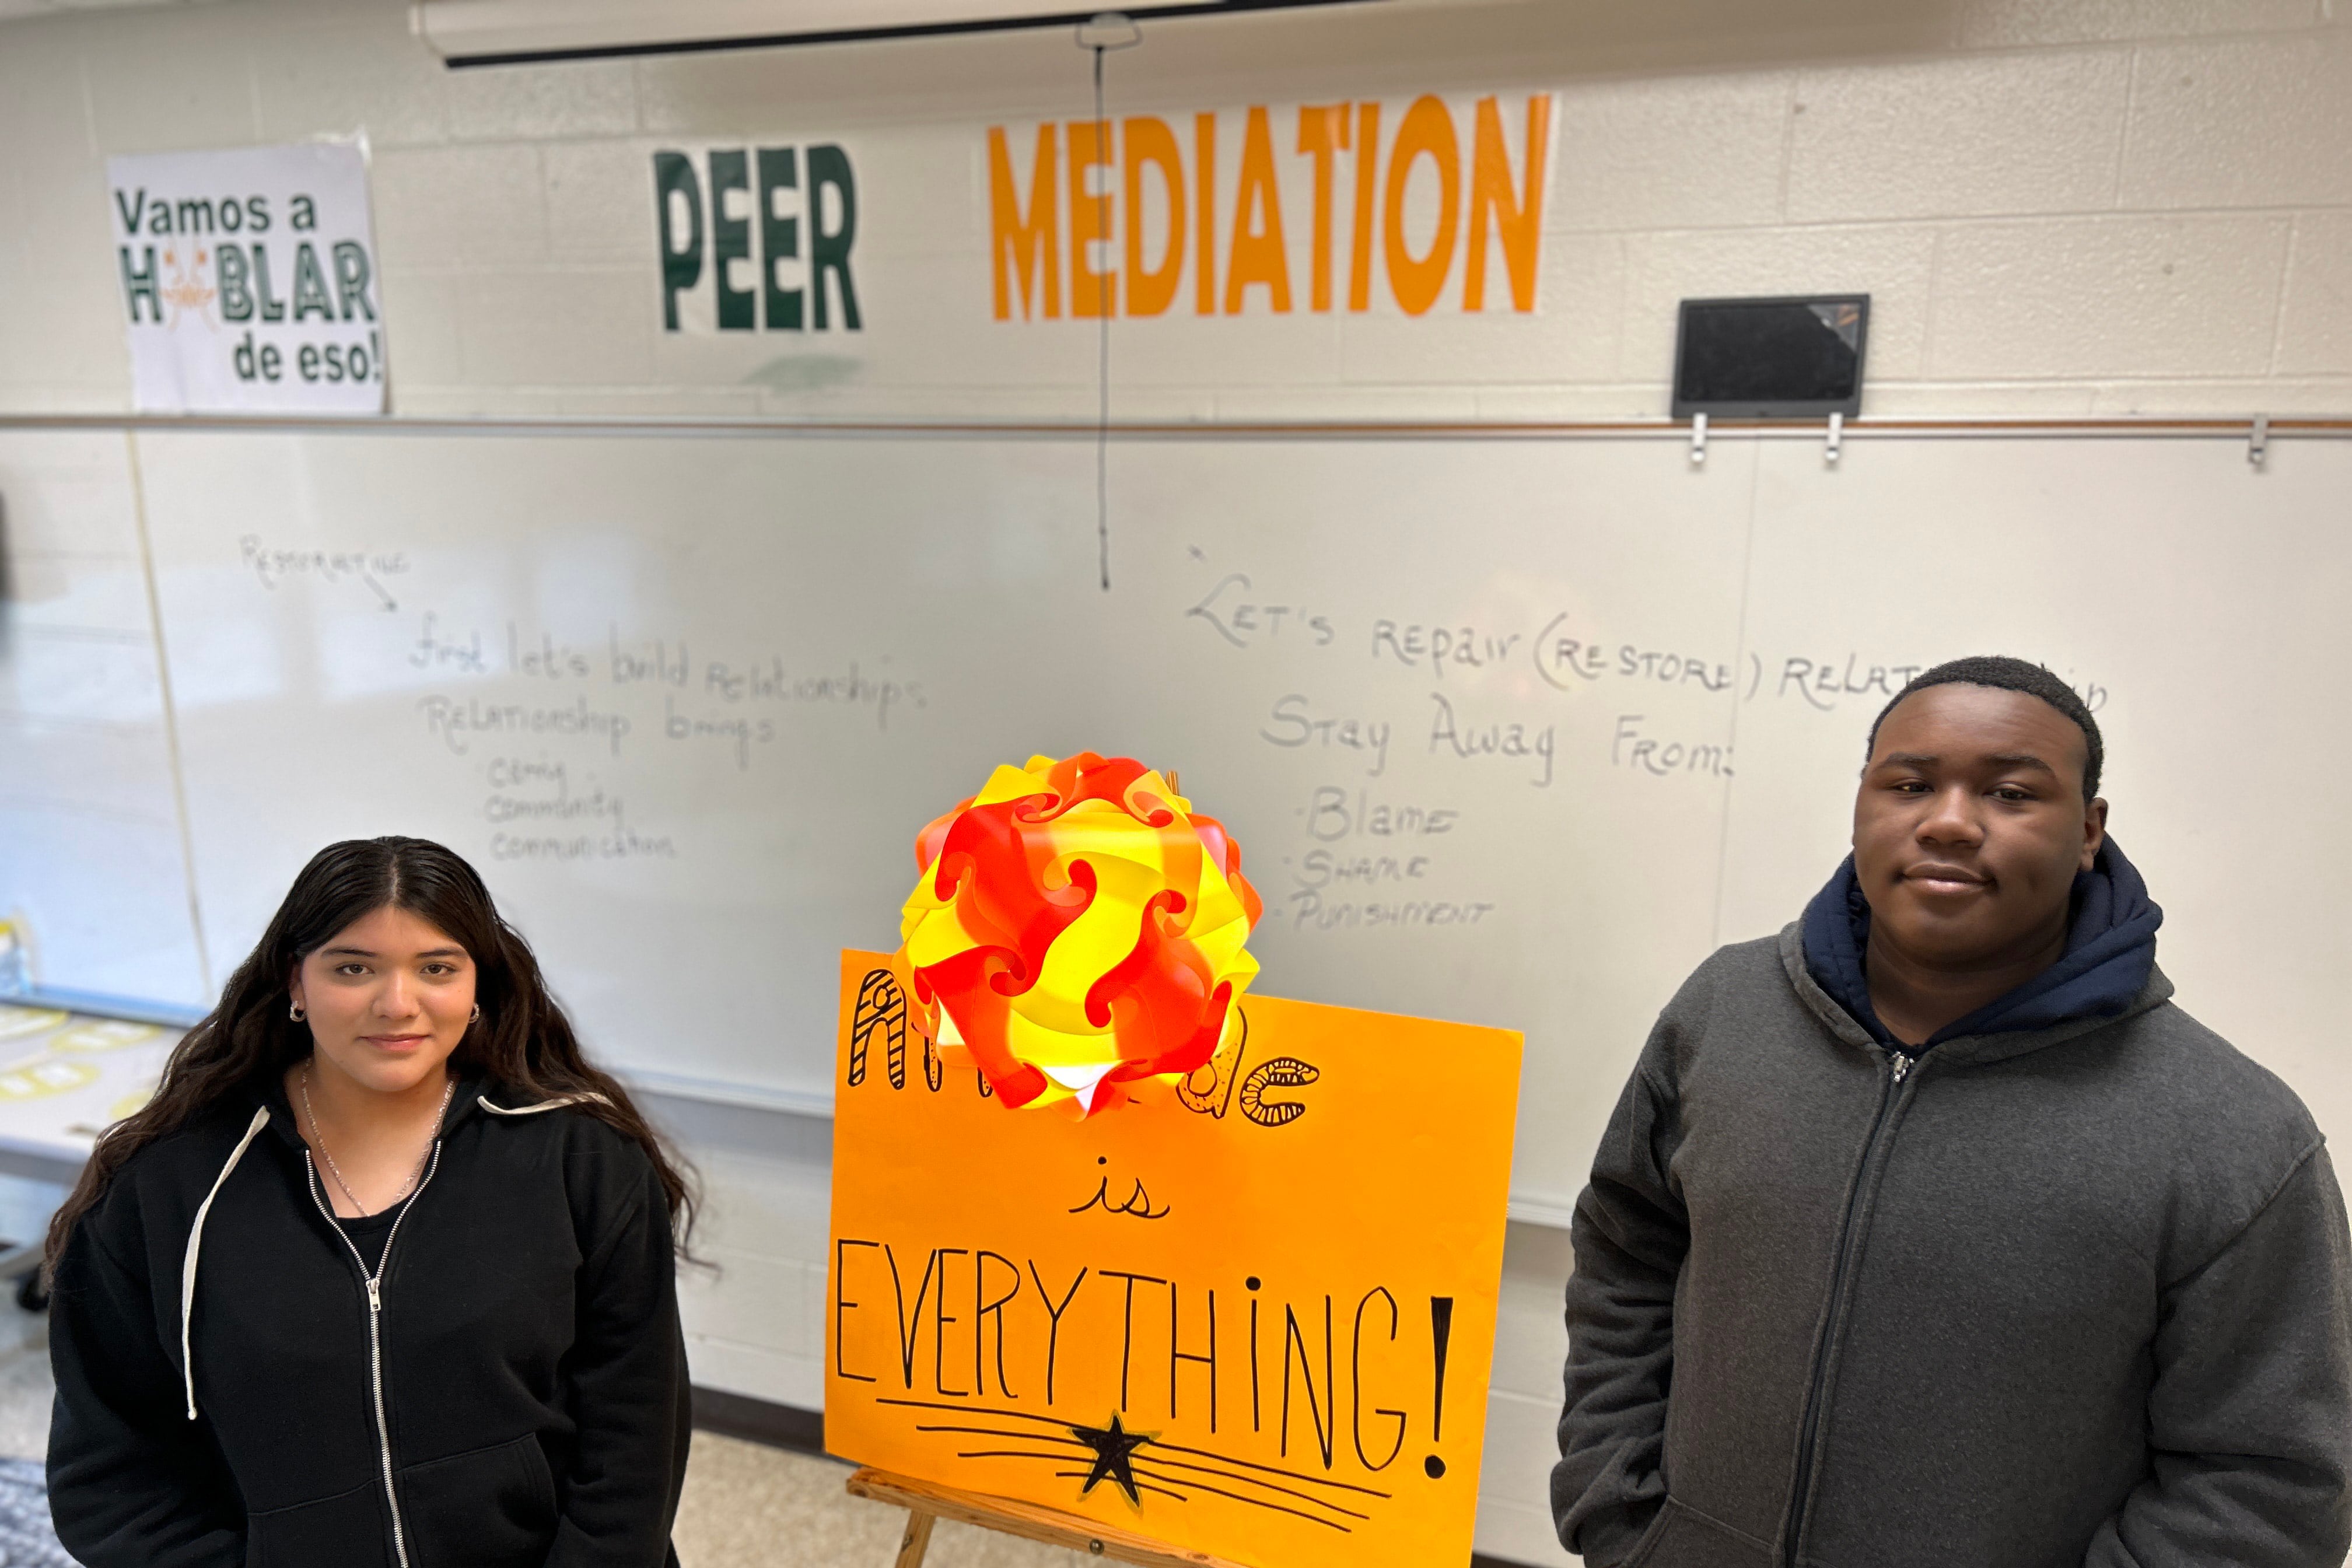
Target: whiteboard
94	862
1511	732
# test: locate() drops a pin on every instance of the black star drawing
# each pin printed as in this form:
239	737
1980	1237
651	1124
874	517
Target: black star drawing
1112	1445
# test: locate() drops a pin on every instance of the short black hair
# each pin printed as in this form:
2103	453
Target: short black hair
2006	674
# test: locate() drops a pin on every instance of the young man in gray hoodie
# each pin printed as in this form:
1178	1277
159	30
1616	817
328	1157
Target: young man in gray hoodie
1931	1233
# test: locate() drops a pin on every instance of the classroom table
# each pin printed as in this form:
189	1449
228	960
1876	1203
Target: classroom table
65	1075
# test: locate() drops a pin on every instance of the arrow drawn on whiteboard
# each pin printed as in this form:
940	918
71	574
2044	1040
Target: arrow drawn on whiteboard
272	566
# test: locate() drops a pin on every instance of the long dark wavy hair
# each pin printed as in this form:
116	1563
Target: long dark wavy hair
522	1041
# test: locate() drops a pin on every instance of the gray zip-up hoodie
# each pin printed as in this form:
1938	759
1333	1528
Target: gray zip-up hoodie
2074	1295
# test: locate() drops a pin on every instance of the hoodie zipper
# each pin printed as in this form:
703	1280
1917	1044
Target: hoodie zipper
1899	1064
374	1283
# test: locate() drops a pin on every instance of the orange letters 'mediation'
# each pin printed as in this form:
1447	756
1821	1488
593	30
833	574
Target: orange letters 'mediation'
1133	193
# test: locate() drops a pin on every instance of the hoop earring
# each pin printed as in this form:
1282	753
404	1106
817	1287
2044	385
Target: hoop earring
477	1013
295	1012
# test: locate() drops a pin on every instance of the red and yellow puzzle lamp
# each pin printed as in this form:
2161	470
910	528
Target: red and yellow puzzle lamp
1077	935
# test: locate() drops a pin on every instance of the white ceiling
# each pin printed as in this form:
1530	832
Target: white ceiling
12	9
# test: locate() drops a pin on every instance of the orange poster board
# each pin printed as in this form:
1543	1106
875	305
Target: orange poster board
1255	1321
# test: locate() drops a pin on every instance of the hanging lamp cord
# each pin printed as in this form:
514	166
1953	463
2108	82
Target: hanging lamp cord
1095	35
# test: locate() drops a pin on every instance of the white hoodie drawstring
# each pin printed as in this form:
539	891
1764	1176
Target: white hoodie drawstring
196	1243
558	1103
197	1231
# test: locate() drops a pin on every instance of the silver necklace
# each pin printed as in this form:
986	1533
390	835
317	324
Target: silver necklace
319	1142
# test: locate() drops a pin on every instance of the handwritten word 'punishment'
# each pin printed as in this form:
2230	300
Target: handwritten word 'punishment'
457	722
1310	912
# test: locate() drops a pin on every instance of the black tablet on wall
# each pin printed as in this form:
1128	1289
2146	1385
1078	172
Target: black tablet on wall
1786	357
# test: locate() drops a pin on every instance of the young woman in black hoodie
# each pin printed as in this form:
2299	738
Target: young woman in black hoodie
384	1275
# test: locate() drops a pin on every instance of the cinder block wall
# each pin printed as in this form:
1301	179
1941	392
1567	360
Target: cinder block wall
2061	205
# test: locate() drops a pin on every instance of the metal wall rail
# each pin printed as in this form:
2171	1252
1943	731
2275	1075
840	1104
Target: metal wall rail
2118	427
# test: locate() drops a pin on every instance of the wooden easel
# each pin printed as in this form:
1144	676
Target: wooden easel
926	1502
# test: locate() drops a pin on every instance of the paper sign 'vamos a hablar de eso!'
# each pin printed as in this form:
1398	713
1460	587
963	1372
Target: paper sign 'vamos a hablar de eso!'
249	280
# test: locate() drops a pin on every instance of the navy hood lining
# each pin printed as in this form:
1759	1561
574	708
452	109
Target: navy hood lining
2110	953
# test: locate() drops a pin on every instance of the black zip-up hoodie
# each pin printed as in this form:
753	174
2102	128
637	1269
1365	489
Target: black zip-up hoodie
2070	1287
510	1391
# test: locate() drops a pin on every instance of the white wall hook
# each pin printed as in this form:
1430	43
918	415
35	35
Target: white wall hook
1110	30
2258	442
1836	441
1698	439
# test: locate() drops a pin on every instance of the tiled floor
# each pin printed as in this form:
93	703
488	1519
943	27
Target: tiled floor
25	1386
746	1506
